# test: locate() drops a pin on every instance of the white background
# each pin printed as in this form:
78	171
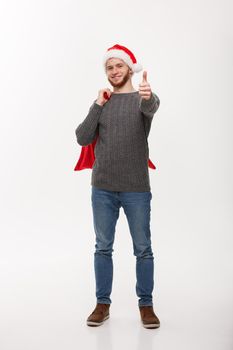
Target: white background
51	71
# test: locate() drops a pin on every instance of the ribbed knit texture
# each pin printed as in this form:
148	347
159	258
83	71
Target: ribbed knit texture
121	152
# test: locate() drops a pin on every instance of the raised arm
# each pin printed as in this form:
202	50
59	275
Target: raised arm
149	107
149	101
86	131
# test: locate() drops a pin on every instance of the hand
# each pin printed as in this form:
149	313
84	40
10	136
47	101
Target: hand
144	88
103	96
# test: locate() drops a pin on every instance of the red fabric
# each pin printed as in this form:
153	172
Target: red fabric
87	157
124	49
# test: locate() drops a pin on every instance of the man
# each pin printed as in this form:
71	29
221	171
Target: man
120	177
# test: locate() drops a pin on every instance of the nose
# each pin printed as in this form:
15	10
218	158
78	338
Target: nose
115	70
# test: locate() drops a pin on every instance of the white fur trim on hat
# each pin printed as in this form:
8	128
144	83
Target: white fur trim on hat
136	67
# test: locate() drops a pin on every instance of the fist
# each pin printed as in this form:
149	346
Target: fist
144	88
103	96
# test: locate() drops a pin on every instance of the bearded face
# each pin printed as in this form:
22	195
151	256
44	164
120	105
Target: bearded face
118	72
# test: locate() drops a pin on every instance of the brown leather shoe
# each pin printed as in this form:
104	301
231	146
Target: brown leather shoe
99	315
148	317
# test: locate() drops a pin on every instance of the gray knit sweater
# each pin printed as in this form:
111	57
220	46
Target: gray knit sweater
121	153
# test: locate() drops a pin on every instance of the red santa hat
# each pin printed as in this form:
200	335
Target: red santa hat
119	51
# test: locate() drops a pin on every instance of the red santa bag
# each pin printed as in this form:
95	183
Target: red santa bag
87	157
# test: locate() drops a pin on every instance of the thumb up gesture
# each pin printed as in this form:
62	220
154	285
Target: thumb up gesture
144	88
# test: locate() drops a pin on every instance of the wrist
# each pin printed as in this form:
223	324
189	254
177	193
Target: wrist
99	103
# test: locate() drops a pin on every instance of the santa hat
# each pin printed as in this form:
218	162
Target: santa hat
119	51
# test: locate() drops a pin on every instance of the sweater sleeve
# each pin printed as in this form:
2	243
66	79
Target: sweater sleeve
87	130
149	107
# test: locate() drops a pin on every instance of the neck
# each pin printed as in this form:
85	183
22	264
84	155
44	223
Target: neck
128	87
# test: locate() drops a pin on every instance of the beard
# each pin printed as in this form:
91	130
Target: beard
122	82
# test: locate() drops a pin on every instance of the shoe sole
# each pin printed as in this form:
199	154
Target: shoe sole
93	323
151	325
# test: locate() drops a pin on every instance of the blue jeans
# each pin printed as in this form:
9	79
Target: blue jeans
136	205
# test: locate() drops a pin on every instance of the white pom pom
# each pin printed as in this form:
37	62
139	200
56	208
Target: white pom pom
137	67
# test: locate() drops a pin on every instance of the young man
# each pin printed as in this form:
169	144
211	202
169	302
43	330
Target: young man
120	177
